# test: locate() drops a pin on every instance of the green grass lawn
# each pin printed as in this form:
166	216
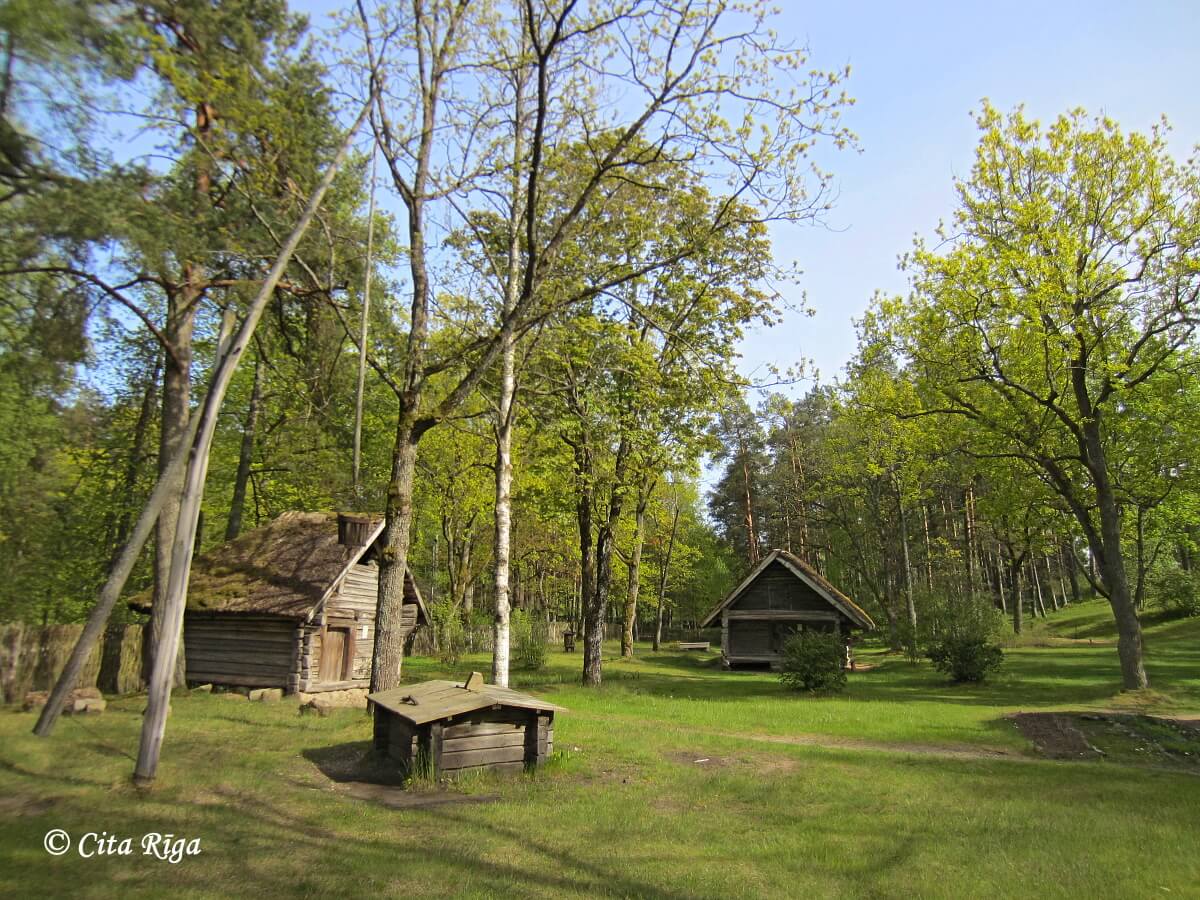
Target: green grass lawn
904	786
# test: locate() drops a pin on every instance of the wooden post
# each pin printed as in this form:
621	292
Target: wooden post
155	722
535	745
382	717
435	746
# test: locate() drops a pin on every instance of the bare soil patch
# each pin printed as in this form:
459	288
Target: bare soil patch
700	760
1125	738
1055	736
949	751
19	805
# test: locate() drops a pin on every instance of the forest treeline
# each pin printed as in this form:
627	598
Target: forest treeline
504	322
1022	426
512	326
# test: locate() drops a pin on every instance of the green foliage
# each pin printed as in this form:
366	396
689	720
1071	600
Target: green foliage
947	615
965	659
530	635
962	633
1177	591
448	632
814	661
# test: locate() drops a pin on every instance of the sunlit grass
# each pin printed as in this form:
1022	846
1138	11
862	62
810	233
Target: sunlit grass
625	808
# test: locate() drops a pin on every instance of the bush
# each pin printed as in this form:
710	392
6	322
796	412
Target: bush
530	634
957	615
1177	591
965	659
814	661
447	631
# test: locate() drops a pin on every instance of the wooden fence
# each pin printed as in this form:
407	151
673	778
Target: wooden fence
32	656
479	638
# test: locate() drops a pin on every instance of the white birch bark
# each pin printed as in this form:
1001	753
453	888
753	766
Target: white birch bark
155	720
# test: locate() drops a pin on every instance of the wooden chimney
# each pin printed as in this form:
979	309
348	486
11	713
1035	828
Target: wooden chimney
353	530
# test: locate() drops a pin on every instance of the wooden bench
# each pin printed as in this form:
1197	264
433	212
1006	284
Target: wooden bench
692	645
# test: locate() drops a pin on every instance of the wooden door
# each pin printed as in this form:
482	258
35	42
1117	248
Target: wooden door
333	654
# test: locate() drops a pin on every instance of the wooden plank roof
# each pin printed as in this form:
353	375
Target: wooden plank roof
433	700
287	567
805	573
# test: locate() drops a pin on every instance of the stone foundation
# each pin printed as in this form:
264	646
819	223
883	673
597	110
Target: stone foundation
354	698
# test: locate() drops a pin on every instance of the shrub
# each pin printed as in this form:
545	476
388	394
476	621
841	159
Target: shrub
529	634
447	631
814	661
957	615
967	658
1177	591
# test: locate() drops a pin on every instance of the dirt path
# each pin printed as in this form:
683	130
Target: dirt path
833	742
836	742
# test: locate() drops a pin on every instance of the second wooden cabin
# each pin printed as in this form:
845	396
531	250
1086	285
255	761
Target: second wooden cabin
289	605
780	596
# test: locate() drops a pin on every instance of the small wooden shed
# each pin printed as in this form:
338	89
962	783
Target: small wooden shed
290	605
780	596
460	727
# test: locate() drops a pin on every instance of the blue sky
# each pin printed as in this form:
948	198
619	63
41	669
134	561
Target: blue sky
918	71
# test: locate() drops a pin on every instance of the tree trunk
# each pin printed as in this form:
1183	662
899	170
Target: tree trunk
176	408
505	408
596	617
1054	598
747	499
364	324
1018	596
635	566
113	585
388	658
1130	647
1106	548
590	613
893	622
246	457
910	606
1000	583
1139	591
137	454
662	578
969	541
1072	572
229	354
503	534
1039	603
928	550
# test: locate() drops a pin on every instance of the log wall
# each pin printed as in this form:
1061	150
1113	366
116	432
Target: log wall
506	739
252	651
351	608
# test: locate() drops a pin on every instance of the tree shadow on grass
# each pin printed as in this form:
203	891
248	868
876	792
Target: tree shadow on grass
355	761
1028	679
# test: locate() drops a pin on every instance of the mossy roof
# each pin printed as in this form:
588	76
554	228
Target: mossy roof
283	568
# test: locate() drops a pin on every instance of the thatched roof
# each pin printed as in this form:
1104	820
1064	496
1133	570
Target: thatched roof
284	568
805	573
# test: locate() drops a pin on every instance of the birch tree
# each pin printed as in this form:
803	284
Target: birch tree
639	84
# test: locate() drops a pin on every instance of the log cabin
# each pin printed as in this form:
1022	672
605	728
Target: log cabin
289	605
780	596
